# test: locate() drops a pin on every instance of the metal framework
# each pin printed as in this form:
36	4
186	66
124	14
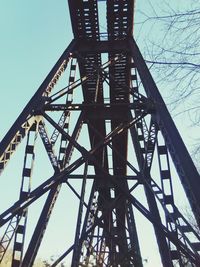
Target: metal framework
111	142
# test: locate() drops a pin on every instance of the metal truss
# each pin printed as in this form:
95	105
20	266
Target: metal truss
100	127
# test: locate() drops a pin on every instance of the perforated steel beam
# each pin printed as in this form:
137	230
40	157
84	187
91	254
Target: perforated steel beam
188	173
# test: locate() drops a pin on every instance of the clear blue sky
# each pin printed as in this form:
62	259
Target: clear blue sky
33	36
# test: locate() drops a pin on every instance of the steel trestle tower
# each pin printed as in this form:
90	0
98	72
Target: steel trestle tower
109	139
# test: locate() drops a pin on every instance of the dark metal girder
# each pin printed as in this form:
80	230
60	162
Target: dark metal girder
48	145
120	28
94	176
148	107
117	46
84	19
119	81
161	239
39	230
185	167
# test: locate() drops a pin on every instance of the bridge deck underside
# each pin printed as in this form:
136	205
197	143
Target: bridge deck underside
85	25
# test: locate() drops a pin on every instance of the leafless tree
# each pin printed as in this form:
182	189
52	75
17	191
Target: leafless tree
172	38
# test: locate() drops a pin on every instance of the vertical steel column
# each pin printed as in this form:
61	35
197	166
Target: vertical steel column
161	240
168	198
24	191
75	258
185	167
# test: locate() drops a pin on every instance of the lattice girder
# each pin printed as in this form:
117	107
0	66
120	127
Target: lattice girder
103	135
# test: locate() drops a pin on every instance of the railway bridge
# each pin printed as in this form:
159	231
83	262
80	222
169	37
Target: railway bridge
105	134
